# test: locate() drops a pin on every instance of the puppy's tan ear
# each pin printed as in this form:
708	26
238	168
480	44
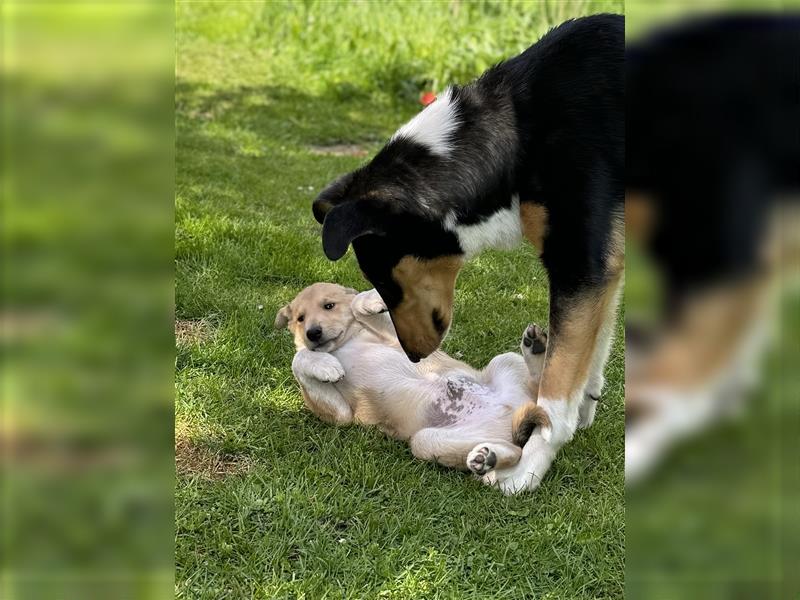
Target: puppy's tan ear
351	291
283	316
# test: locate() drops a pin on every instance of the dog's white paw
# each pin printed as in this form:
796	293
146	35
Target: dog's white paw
527	474
587	410
327	368
481	460
368	303
329	373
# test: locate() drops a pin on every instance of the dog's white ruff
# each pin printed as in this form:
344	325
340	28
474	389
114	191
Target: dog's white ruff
434	126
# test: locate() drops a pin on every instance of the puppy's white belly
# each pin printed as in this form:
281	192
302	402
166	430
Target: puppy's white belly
375	366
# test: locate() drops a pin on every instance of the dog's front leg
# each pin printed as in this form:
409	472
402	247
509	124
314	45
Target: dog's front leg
577	348
317	372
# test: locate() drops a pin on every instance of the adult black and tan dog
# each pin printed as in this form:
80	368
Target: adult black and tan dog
533	148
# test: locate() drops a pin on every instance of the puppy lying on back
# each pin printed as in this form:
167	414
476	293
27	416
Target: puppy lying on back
351	367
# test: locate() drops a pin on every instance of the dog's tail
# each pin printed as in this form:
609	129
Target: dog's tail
526	419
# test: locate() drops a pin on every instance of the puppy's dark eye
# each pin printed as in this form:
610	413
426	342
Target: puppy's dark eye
329	306
301	318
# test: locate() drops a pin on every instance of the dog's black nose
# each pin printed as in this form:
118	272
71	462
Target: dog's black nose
314	333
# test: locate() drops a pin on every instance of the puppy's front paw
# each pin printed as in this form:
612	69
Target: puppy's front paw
534	340
329	372
481	460
368	303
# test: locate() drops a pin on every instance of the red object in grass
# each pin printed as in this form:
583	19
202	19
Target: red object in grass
426	98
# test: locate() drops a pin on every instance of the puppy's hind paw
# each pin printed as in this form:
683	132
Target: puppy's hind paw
481	460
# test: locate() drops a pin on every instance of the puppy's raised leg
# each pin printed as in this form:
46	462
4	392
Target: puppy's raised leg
370	310
317	372
532	347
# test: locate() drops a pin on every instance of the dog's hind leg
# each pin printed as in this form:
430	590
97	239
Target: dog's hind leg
445	446
490	455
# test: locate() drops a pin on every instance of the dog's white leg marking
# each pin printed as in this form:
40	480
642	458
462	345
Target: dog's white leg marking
434	126
542	447
489	455
537	456
563	420
664	414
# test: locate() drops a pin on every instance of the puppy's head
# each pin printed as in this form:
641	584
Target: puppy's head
410	258
319	317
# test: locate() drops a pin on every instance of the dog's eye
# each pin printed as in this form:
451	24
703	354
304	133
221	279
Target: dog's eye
301	318
329	306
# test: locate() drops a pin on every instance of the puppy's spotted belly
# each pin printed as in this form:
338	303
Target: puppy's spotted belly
460	400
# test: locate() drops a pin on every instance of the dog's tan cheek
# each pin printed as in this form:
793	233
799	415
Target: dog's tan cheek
427	287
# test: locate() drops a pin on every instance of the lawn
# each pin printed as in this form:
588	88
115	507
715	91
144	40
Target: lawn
272	102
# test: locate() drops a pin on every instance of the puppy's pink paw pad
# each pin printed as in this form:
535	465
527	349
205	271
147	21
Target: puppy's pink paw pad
481	460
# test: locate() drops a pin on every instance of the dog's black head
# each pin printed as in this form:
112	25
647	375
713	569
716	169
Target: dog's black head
401	245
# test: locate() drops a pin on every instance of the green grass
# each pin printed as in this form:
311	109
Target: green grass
300	509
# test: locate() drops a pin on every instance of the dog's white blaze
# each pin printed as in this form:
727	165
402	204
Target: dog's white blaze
502	230
434	126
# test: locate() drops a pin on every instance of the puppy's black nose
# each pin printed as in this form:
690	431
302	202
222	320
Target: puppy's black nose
314	333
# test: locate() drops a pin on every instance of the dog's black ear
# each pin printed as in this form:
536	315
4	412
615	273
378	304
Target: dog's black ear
332	195
342	225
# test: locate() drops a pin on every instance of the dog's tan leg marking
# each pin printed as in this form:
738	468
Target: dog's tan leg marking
572	346
424	313
534	224
580	341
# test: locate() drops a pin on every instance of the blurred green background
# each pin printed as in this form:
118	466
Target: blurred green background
87	351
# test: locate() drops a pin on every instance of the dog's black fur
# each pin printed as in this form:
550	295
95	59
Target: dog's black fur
546	125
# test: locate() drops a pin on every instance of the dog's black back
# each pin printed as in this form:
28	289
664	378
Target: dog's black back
713	111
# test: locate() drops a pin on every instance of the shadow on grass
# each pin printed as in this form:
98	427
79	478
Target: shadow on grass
285	115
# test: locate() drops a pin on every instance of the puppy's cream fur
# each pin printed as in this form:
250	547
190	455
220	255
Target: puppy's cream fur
355	371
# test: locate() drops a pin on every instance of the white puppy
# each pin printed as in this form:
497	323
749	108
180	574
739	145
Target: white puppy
351	367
